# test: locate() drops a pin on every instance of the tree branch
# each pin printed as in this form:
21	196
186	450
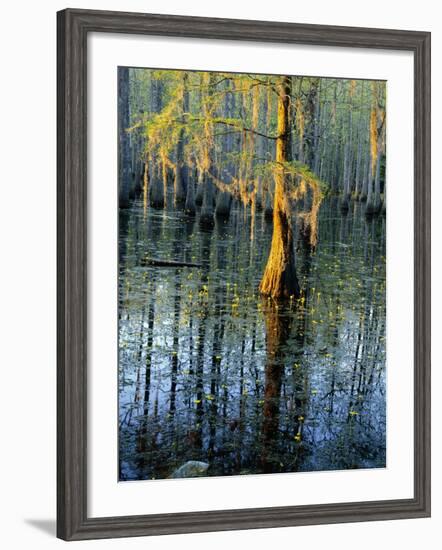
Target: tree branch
238	129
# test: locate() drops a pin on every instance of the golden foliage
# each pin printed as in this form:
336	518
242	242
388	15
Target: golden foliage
201	147
377	126
269	106
304	189
310	185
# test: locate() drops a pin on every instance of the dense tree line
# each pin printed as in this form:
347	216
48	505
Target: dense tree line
273	143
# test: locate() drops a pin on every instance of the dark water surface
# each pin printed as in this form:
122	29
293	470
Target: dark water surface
211	371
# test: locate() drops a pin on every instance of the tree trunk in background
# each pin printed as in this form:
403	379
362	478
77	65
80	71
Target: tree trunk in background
279	279
377	184
223	202
156	192
384	203
374	197
181	173
377	138
124	164
297	111
361	133
190	206
262	153
207	215
179	193
334	172
367	174
317	127
200	175
268	206
139	165
135	137
156	185
369	206
345	200
224	198
199	189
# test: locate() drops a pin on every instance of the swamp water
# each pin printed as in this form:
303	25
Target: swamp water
211	371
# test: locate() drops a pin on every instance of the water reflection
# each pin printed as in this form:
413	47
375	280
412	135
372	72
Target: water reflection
211	371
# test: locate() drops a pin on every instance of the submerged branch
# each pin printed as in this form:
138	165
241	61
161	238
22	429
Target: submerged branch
167	263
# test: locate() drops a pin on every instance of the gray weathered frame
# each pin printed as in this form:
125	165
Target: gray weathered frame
73	27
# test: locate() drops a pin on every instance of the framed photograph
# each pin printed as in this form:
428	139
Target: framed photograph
243	274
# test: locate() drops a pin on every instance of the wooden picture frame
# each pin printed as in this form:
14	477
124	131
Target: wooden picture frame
73	28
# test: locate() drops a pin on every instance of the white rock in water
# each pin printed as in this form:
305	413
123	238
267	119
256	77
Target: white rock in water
192	468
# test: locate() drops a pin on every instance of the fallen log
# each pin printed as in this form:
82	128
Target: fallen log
167	263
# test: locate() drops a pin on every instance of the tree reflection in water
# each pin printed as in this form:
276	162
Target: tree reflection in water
211	371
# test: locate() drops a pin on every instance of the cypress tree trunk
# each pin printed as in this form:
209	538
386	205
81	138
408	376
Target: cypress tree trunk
156	192
139	167
206	216
156	183
377	129
181	173
199	189
369	205
361	132
189	206
279	279
268	208
224	198
334	172
124	167
377	185
223	202
384	205
317	124
261	140
374	194
367	175
348	157
179	194
358	169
